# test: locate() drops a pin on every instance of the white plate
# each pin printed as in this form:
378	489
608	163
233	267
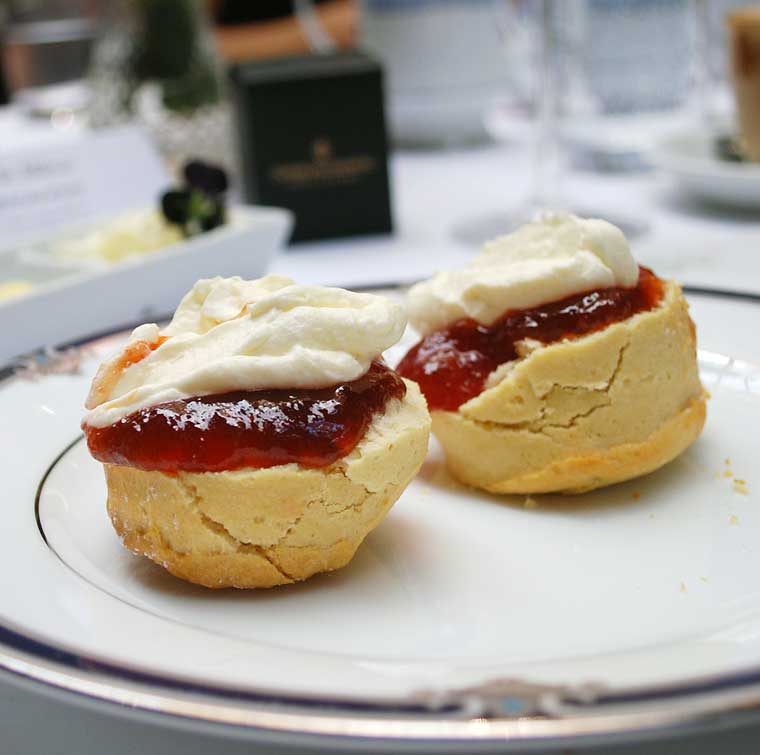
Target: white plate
688	158
619	142
465	621
66	302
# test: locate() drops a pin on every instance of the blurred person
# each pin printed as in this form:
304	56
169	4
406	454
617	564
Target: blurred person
269	28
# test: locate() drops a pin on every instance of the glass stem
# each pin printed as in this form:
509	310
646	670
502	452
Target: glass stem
701	71
548	162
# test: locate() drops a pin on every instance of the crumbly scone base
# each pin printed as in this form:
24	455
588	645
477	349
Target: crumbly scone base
584	472
584	413
267	527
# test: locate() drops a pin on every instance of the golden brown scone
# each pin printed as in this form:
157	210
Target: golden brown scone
579	414
266	527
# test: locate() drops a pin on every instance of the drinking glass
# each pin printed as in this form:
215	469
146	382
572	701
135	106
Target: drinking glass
712	95
556	77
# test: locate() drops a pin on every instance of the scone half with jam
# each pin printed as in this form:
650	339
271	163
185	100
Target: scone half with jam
554	363
259	437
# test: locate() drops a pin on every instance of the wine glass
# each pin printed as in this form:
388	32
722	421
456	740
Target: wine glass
558	73
711	92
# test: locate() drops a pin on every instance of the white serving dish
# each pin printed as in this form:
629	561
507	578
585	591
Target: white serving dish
74	300
687	157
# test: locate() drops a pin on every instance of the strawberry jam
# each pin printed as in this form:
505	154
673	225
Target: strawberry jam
452	365
137	351
312	427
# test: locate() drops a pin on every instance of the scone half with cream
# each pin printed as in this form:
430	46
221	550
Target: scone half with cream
259	437
553	363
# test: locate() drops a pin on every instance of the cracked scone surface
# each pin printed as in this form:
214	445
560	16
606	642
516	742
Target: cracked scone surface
583	413
267	527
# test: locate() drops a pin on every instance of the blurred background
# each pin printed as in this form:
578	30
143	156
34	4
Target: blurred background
456	71
397	135
446	62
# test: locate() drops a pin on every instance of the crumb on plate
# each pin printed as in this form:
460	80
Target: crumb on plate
740	487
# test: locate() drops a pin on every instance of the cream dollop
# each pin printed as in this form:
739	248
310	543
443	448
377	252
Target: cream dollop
230	334
544	261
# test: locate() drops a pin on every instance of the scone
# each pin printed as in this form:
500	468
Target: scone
259	437
553	363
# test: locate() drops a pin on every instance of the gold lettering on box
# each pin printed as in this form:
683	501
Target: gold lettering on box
324	168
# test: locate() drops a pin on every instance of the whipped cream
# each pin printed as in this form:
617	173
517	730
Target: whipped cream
229	334
544	261
134	233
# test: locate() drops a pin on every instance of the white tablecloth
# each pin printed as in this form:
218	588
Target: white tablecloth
437	193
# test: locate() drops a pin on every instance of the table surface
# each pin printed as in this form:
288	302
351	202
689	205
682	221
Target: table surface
435	195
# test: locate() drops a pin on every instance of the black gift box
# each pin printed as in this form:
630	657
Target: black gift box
312	139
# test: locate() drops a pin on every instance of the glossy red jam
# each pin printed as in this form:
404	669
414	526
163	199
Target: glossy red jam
248	428
451	365
137	351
